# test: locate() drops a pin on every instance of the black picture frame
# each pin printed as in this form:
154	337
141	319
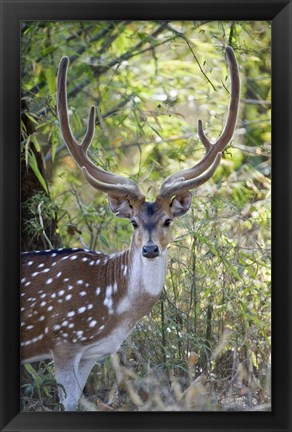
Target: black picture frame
280	14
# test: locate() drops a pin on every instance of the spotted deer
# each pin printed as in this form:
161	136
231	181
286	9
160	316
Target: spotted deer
78	305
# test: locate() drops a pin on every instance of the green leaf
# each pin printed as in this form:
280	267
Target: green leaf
104	241
31	118
34	166
50	74
36	143
55	143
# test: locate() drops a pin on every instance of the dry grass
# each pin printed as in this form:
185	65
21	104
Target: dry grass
129	386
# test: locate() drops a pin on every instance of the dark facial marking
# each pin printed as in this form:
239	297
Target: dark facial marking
150	208
149	216
149	227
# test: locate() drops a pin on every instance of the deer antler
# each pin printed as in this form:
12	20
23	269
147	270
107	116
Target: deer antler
190	178
96	176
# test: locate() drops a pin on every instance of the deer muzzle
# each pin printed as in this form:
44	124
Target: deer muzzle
150	250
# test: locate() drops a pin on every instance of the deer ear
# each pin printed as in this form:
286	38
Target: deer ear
180	204
120	206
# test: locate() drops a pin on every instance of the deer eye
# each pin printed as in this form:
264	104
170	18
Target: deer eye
134	224
167	222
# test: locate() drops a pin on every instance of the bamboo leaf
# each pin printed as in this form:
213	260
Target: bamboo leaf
34	166
36	143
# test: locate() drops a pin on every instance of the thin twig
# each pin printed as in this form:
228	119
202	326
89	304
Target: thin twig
183	36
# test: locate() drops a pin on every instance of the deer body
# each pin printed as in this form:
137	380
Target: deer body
78	306
81	305
86	317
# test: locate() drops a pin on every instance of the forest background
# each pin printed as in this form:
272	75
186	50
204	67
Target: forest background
206	344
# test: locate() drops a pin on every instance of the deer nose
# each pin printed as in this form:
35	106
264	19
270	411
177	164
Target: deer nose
150	251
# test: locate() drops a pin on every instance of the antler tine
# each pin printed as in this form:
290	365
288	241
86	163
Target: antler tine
102	180
122	190
187	178
181	185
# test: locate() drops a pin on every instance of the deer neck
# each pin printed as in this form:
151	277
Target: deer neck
145	281
147	275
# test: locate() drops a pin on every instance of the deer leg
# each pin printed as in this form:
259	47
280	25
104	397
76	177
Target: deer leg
84	370
66	373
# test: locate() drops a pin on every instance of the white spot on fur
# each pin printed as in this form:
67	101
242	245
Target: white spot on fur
125	270
71	314
36	339
108	291
108	301
49	281
81	309
92	323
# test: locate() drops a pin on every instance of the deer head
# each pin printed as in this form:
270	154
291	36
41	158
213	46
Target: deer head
151	220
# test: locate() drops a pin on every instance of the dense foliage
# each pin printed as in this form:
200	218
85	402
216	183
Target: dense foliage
206	344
